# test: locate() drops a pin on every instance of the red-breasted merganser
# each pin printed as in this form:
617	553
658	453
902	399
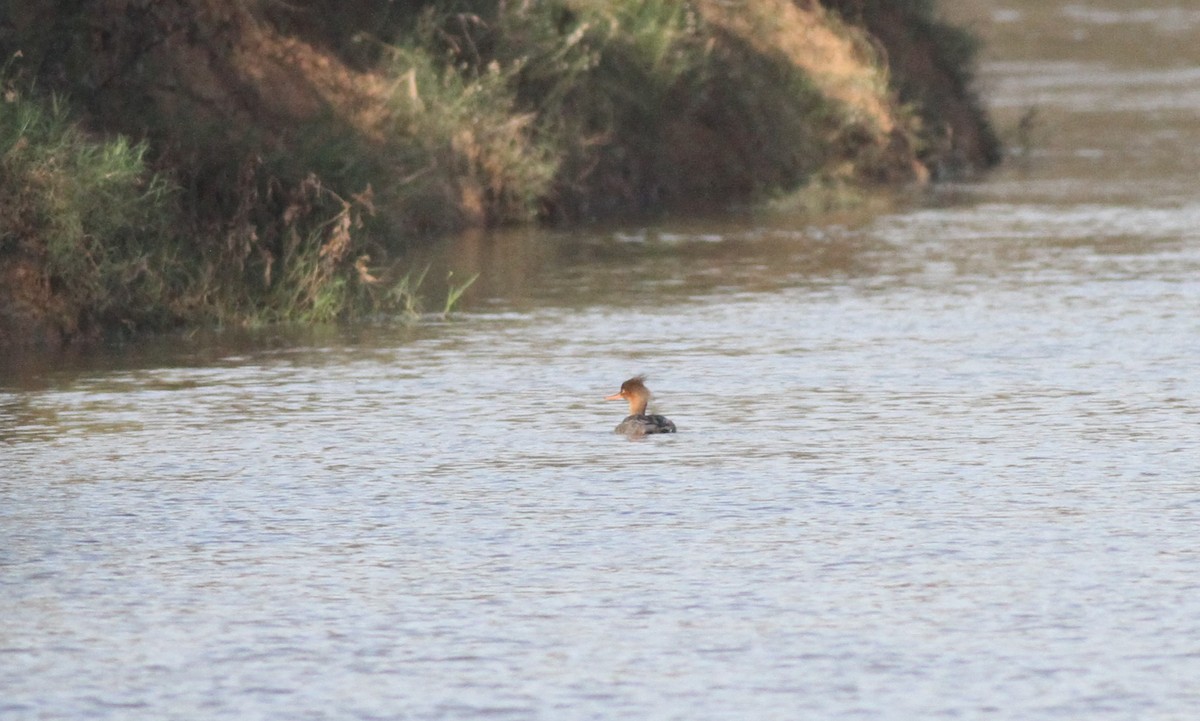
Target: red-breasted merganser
637	423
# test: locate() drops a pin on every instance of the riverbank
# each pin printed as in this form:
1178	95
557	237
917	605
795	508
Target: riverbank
205	162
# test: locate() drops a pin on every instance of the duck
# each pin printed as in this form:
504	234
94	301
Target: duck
637	423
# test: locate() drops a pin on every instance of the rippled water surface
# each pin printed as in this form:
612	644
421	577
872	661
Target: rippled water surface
938	464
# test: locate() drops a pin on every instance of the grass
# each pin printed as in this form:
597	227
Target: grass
463	152
88	215
477	113
646	105
117	249
455	292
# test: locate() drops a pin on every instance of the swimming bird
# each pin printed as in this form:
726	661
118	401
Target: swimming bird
637	423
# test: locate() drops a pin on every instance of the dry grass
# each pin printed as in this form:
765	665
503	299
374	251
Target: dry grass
837	57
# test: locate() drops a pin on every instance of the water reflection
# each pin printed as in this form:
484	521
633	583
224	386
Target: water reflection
641	266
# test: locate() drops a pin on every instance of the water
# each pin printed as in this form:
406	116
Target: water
937	464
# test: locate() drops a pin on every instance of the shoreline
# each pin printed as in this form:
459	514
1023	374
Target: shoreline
229	164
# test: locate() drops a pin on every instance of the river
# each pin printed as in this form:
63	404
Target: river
937	463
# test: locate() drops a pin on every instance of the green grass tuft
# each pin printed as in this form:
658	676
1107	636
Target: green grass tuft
88	214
